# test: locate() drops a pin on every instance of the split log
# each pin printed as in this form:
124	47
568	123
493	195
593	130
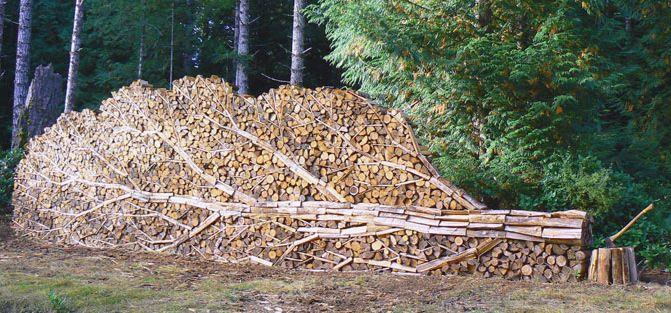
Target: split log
613	266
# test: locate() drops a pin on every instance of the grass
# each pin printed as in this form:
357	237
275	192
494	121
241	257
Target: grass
38	279
17	289
63	292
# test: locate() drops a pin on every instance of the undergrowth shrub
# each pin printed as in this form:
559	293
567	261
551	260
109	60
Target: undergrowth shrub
8	161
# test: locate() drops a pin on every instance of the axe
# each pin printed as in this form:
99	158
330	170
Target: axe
610	241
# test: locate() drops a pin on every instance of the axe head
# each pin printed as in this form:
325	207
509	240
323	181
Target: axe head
609	243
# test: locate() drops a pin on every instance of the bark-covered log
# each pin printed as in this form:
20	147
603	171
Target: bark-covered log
311	179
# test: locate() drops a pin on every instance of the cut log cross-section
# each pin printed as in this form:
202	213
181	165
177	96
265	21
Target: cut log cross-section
297	178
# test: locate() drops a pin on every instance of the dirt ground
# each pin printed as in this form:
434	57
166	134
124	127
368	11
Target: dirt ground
35	277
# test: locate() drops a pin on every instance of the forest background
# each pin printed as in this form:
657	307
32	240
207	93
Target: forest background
538	105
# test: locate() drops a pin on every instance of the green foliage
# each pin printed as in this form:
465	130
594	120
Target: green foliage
59	303
533	105
8	161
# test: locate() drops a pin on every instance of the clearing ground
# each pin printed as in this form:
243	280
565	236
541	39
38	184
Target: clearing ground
35	278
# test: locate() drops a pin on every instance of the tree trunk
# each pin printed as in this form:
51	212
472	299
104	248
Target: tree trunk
143	25
22	68
524	33
483	12
172	41
236	31
45	96
297	43
74	56
241	79
189	53
2	24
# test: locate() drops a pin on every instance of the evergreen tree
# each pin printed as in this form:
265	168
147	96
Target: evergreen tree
534	105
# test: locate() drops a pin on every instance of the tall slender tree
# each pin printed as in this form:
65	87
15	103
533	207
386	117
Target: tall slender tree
241	72
21	81
189	52
297	43
143	26
172	41
74	56
2	24
236	34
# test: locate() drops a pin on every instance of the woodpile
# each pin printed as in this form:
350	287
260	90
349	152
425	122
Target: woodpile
310	179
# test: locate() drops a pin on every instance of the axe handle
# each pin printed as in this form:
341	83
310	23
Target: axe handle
631	223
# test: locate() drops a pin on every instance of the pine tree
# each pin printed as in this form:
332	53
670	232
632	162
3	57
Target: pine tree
532	104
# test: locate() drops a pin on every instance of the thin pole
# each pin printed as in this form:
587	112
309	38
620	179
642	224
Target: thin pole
172	39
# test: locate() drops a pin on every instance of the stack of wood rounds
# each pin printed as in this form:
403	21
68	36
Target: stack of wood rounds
309	179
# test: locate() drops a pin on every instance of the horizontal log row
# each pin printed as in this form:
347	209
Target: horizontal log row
291	241
565	226
313	179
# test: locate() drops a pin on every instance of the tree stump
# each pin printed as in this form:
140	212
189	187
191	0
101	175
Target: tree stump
615	266
44	102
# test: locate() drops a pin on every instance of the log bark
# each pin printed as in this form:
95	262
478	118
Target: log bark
297	43
21	80
631	260
242	66
75	45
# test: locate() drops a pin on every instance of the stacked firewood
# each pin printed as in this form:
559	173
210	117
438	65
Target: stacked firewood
312	179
